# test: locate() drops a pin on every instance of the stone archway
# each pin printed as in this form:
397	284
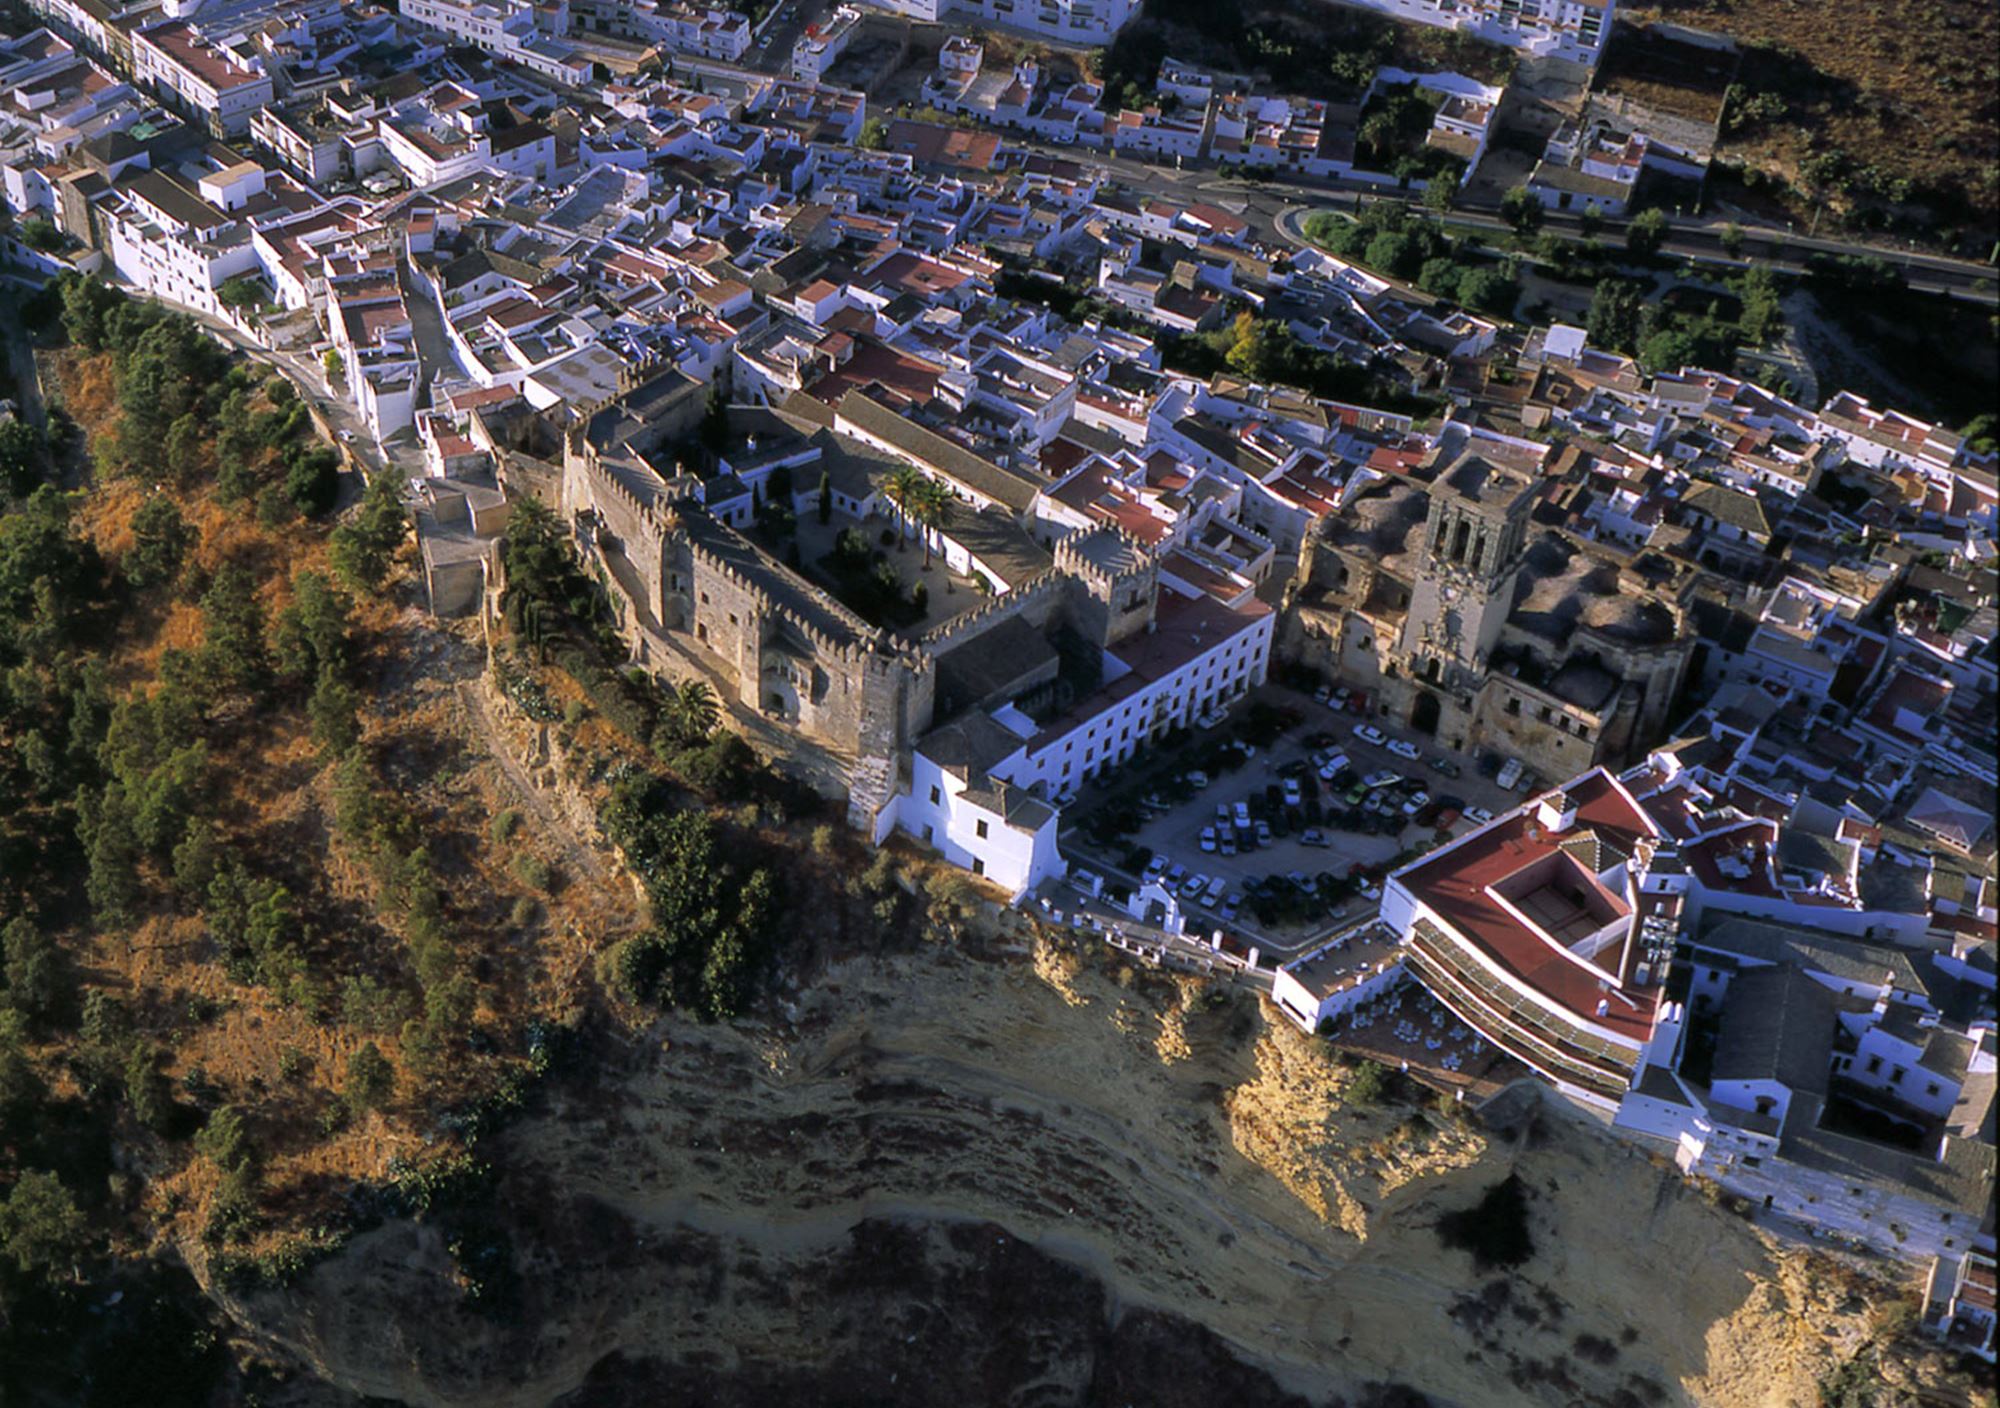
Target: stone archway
1424	712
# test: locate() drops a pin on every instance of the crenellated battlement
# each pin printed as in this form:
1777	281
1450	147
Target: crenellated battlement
969	623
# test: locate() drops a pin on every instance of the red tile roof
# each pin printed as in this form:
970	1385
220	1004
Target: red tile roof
1456	885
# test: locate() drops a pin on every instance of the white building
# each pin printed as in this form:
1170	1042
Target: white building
213	82
1082	22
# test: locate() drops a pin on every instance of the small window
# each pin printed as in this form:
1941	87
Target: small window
978	866
1931	1088
979	830
937	796
1874	1065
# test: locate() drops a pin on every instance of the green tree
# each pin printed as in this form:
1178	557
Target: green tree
1439	194
1669	349
312	635
1613	321
1488	290
362	552
242	292
1441	276
161	541
714	430
38	979
146	1088
901	488
1522	209
1732	240
335	366
874	135
233	638
313	481
371	1080
1646	232
40	1225
932	508
334	713
1394	253
40	234
23	459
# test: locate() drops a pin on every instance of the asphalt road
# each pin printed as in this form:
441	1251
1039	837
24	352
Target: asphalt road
1265	202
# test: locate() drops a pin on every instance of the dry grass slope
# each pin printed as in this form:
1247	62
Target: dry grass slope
1904	96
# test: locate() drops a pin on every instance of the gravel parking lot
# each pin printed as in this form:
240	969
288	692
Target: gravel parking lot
1156	807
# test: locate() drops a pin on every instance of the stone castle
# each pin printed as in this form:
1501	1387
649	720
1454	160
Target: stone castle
694	596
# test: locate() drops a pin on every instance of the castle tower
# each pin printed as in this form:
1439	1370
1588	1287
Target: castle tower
1473	542
1117	584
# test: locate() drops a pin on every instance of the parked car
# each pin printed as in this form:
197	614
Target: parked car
1292	794
1263	833
1407	751
1175	875
1443	766
1478	816
1197	779
1230	904
1416	802
1156	867
1193	885
1226	841
1321	694
1303	881
1510	773
1242	813
1341	695
1313	836
1378	780
1371	891
1208	838
1371	735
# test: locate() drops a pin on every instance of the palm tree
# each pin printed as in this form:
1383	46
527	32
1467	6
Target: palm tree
932	509
905	482
695	710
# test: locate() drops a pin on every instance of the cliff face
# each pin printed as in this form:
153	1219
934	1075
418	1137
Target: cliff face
950	1182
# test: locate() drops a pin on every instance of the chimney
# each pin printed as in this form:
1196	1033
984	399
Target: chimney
1556	811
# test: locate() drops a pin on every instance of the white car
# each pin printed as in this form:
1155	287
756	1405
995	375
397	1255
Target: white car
1376	780
1322	694
1197	780
1194	885
1371	891
1292	794
1370	735
1478	816
1406	751
1208	838
1416	802
1156	867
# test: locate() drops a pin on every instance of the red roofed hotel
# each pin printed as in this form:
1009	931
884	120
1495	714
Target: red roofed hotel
1533	929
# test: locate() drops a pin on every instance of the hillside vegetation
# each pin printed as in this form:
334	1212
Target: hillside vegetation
1886	113
288	928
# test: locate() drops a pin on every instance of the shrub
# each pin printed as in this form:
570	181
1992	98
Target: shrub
524	912
505	825
531	870
1369	1085
371	1080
